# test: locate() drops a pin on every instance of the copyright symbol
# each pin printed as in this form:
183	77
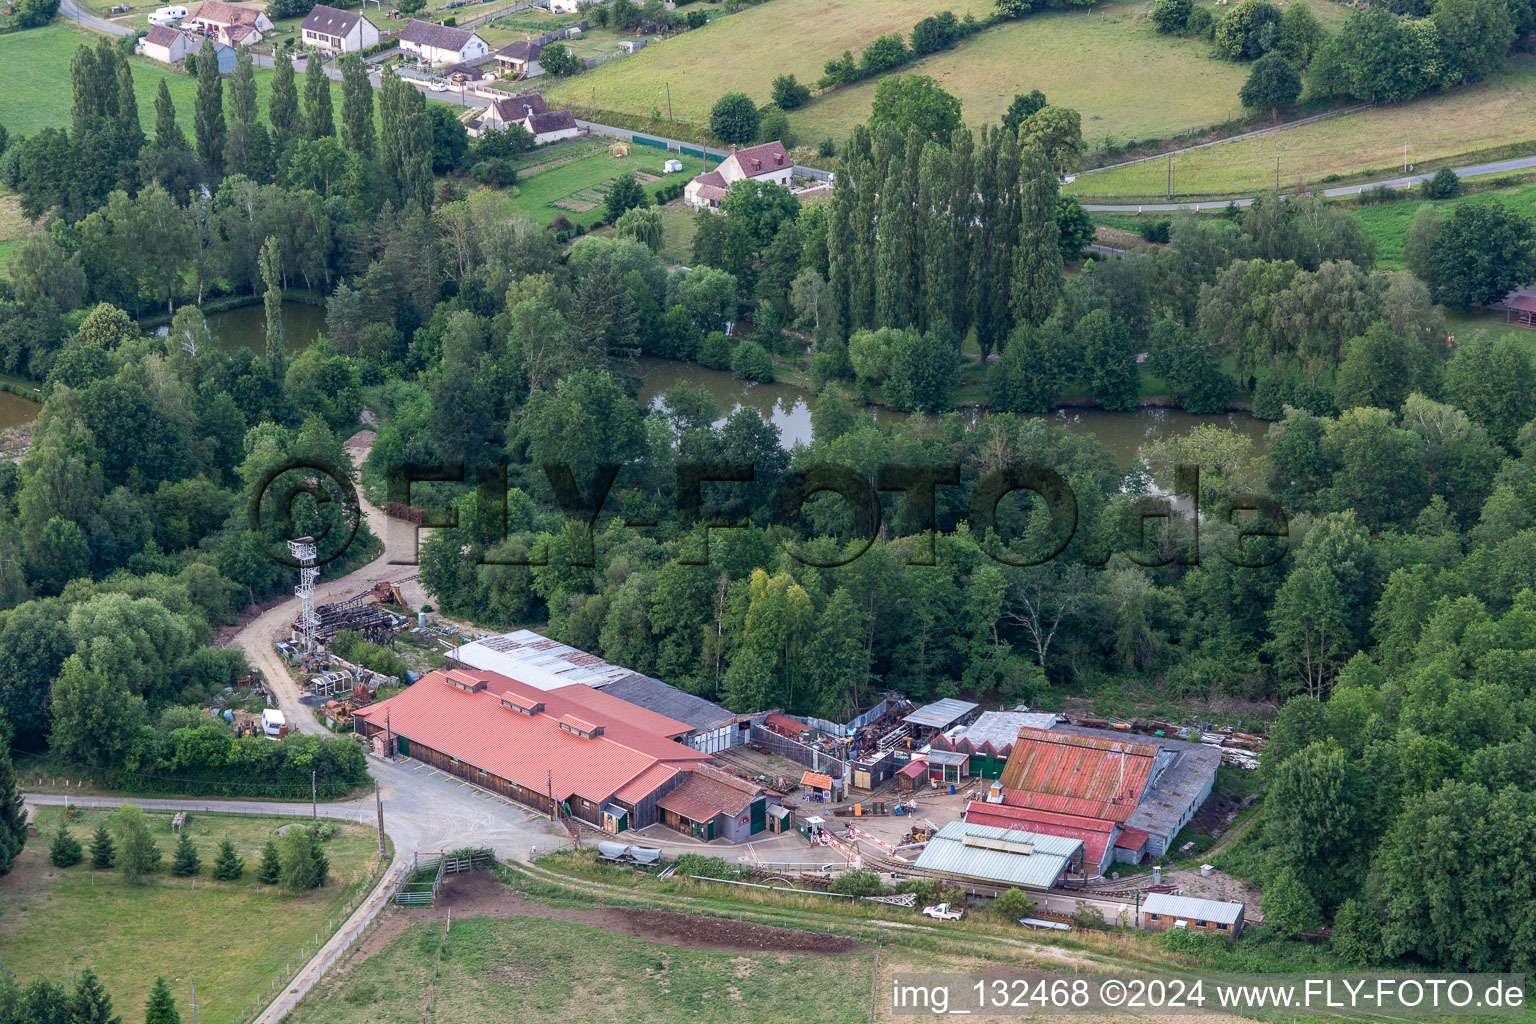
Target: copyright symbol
332	520
1112	992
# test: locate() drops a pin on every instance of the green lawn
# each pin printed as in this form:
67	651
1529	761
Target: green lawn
37	93
678	224
1483	117
583	180
744	52
527	969
1388	223
1107	62
234	939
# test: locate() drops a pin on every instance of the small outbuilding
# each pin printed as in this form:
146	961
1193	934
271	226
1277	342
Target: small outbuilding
1162	911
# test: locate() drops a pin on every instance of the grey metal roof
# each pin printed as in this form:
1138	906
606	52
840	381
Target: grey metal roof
664	699
948	852
1220	911
1001	728
941	713
946	757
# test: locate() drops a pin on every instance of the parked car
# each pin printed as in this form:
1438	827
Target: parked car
942	912
438	85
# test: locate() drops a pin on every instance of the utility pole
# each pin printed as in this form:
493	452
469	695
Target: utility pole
1405	156
314	798
378	804
1170	175
1277	172
194	1002
549	785
670	118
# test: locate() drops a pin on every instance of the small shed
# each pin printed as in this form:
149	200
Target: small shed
910	777
948	766
780	819
672	166
1162	911
820	786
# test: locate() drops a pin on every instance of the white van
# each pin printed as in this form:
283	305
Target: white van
272	722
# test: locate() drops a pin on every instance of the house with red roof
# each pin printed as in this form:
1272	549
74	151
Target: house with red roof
766	163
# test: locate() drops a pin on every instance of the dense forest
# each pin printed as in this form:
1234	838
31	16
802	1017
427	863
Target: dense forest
1368	572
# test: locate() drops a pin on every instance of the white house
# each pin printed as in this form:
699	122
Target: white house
442	44
766	163
216	15
165	45
530	113
334	31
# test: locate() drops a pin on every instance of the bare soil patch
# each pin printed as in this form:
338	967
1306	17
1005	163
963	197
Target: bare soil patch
479	893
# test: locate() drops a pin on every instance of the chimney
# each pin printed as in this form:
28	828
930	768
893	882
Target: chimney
733	149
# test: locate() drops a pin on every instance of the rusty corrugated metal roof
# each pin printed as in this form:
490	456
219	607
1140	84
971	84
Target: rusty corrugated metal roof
1089	776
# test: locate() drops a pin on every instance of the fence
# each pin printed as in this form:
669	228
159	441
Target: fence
798	752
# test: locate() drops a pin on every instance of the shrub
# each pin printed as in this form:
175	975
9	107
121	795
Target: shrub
1172	16
715	352
827	147
857	883
65	851
303	866
751	362
788	93
1013	904
1156	231
708	867
1444	185
1201	23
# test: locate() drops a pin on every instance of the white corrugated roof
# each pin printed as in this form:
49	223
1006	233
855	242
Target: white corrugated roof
1220	911
1001	728
537	661
948	852
941	712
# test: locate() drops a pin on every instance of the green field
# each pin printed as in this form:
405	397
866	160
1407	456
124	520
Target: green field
234	939
575	188
527	969
1481	117
40	98
744	52
1388	223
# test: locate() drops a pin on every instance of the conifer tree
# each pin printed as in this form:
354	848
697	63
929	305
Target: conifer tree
185	862
13	816
65	851
227	866
90	1003
271	867
161	1007
103	851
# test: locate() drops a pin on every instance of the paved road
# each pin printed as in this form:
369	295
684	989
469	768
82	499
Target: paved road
71	11
1469	171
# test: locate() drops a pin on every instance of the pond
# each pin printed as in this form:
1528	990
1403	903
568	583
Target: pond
789	408
246	327
16	411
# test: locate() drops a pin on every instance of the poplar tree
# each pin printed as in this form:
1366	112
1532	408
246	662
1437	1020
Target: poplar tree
168	134
319	122
405	142
357	130
130	132
209	127
935	236
271	265
283	107
246	150
1037	257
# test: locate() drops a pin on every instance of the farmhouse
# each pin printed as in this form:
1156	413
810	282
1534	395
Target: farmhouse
992	854
549	665
713	804
1161	911
514	58
536	746
165	44
330	30
767	163
441	44
216	18
1140	791
529	113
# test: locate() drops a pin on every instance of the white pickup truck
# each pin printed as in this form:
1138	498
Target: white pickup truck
943	912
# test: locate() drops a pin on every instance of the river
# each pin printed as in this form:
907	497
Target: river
1122	433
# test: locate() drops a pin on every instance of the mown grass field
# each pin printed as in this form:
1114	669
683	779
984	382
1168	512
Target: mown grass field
526	969
1480	117
744	52
583	180
232	938
1388	223
37	87
1109	63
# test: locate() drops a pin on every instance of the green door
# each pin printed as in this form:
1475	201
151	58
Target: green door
405	746
759	816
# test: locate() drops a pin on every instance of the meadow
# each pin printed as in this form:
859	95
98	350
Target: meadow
1388	223
574	187
234	939
744	52
1488	116
40	97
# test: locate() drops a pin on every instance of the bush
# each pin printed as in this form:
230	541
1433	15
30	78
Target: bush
751	362
827	147
1444	185
1156	231
302	865
715	352
65	851
788	93
1172	16
708	867
857	883
1013	904
1201	23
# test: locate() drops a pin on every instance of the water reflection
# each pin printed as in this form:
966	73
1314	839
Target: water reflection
16	411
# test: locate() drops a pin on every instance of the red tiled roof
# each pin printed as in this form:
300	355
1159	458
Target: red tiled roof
755	160
914	770
623	710
1094	832
705	793
1091	776
811	780
1131	839
477	729
1522	302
